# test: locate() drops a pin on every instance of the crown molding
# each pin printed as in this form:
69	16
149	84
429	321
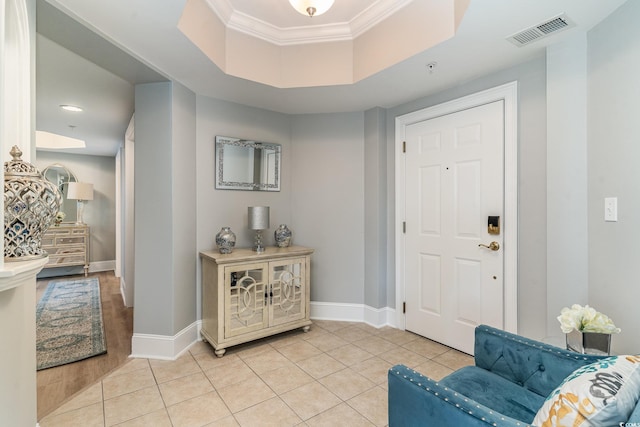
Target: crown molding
374	14
343	31
288	36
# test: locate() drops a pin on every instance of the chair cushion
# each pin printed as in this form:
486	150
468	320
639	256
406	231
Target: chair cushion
603	393
495	392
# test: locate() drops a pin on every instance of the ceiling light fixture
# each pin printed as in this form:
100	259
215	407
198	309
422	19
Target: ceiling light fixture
311	7
73	108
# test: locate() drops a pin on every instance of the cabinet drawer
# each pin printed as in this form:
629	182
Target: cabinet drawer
75	240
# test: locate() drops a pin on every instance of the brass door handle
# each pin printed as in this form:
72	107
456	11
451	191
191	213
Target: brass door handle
494	246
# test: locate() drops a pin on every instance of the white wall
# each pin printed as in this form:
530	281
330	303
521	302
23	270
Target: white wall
614	151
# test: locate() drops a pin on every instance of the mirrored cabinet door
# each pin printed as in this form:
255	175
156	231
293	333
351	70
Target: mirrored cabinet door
287	290
246	299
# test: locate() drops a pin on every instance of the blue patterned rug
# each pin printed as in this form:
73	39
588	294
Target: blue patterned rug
69	323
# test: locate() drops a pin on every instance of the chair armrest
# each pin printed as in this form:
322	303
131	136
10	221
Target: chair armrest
537	366
418	400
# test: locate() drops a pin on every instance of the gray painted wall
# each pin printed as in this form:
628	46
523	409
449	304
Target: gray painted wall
321	197
218	208
183	200
375	206
614	150
99	213
567	276
165	221
327	205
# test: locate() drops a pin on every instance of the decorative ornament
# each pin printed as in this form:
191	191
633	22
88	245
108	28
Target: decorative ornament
30	206
282	236
226	240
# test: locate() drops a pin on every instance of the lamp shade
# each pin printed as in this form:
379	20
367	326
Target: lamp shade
258	217
80	191
311	7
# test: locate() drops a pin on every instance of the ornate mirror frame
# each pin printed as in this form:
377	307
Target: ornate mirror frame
61	176
247	165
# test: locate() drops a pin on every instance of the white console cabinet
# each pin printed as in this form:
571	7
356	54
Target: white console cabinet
248	295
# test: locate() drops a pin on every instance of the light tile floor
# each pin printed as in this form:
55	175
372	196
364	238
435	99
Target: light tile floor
334	375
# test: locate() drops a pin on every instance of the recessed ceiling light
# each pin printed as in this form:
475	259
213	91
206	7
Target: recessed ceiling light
73	108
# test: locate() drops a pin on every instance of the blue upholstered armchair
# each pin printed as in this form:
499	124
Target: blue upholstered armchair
510	382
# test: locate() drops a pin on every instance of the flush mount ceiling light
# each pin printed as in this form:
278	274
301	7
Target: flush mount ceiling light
73	108
311	7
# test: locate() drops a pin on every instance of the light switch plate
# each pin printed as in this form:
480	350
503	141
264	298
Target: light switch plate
611	209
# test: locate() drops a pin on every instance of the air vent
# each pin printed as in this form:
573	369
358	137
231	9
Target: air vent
550	26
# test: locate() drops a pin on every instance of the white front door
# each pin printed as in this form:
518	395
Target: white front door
454	181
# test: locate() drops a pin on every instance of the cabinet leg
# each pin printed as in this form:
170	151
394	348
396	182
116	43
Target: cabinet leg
306	328
220	352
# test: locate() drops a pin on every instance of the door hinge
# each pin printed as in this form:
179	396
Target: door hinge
404	307
404	227
404	146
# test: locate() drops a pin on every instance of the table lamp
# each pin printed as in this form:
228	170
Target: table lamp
80	191
258	221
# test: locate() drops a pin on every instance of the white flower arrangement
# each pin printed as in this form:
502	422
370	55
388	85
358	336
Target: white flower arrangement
60	216
585	319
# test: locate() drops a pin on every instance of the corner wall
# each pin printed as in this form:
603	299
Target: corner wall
165	227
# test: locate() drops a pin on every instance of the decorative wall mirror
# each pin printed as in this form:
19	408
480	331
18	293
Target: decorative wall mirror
247	165
61	177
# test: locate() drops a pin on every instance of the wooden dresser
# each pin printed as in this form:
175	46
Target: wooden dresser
67	245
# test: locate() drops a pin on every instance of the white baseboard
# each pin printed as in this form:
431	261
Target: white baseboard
171	347
96	266
164	347
376	317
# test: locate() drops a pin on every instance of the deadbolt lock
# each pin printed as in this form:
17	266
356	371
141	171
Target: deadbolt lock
493	225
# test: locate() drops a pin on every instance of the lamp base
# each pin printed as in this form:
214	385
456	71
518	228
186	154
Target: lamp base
80	212
257	247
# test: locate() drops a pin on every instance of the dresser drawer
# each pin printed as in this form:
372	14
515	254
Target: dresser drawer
47	241
65	259
67	250
72	240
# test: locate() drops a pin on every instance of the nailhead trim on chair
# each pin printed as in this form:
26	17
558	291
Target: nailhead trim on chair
435	393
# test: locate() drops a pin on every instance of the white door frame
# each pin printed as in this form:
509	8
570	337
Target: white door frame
509	94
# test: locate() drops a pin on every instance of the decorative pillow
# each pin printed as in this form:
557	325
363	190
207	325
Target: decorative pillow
601	394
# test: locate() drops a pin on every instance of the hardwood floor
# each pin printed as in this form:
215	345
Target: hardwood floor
59	384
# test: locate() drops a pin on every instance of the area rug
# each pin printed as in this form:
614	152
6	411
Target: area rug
69	323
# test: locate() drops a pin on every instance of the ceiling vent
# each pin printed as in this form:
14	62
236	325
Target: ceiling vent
547	28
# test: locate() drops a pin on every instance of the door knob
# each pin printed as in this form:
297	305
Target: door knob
494	246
